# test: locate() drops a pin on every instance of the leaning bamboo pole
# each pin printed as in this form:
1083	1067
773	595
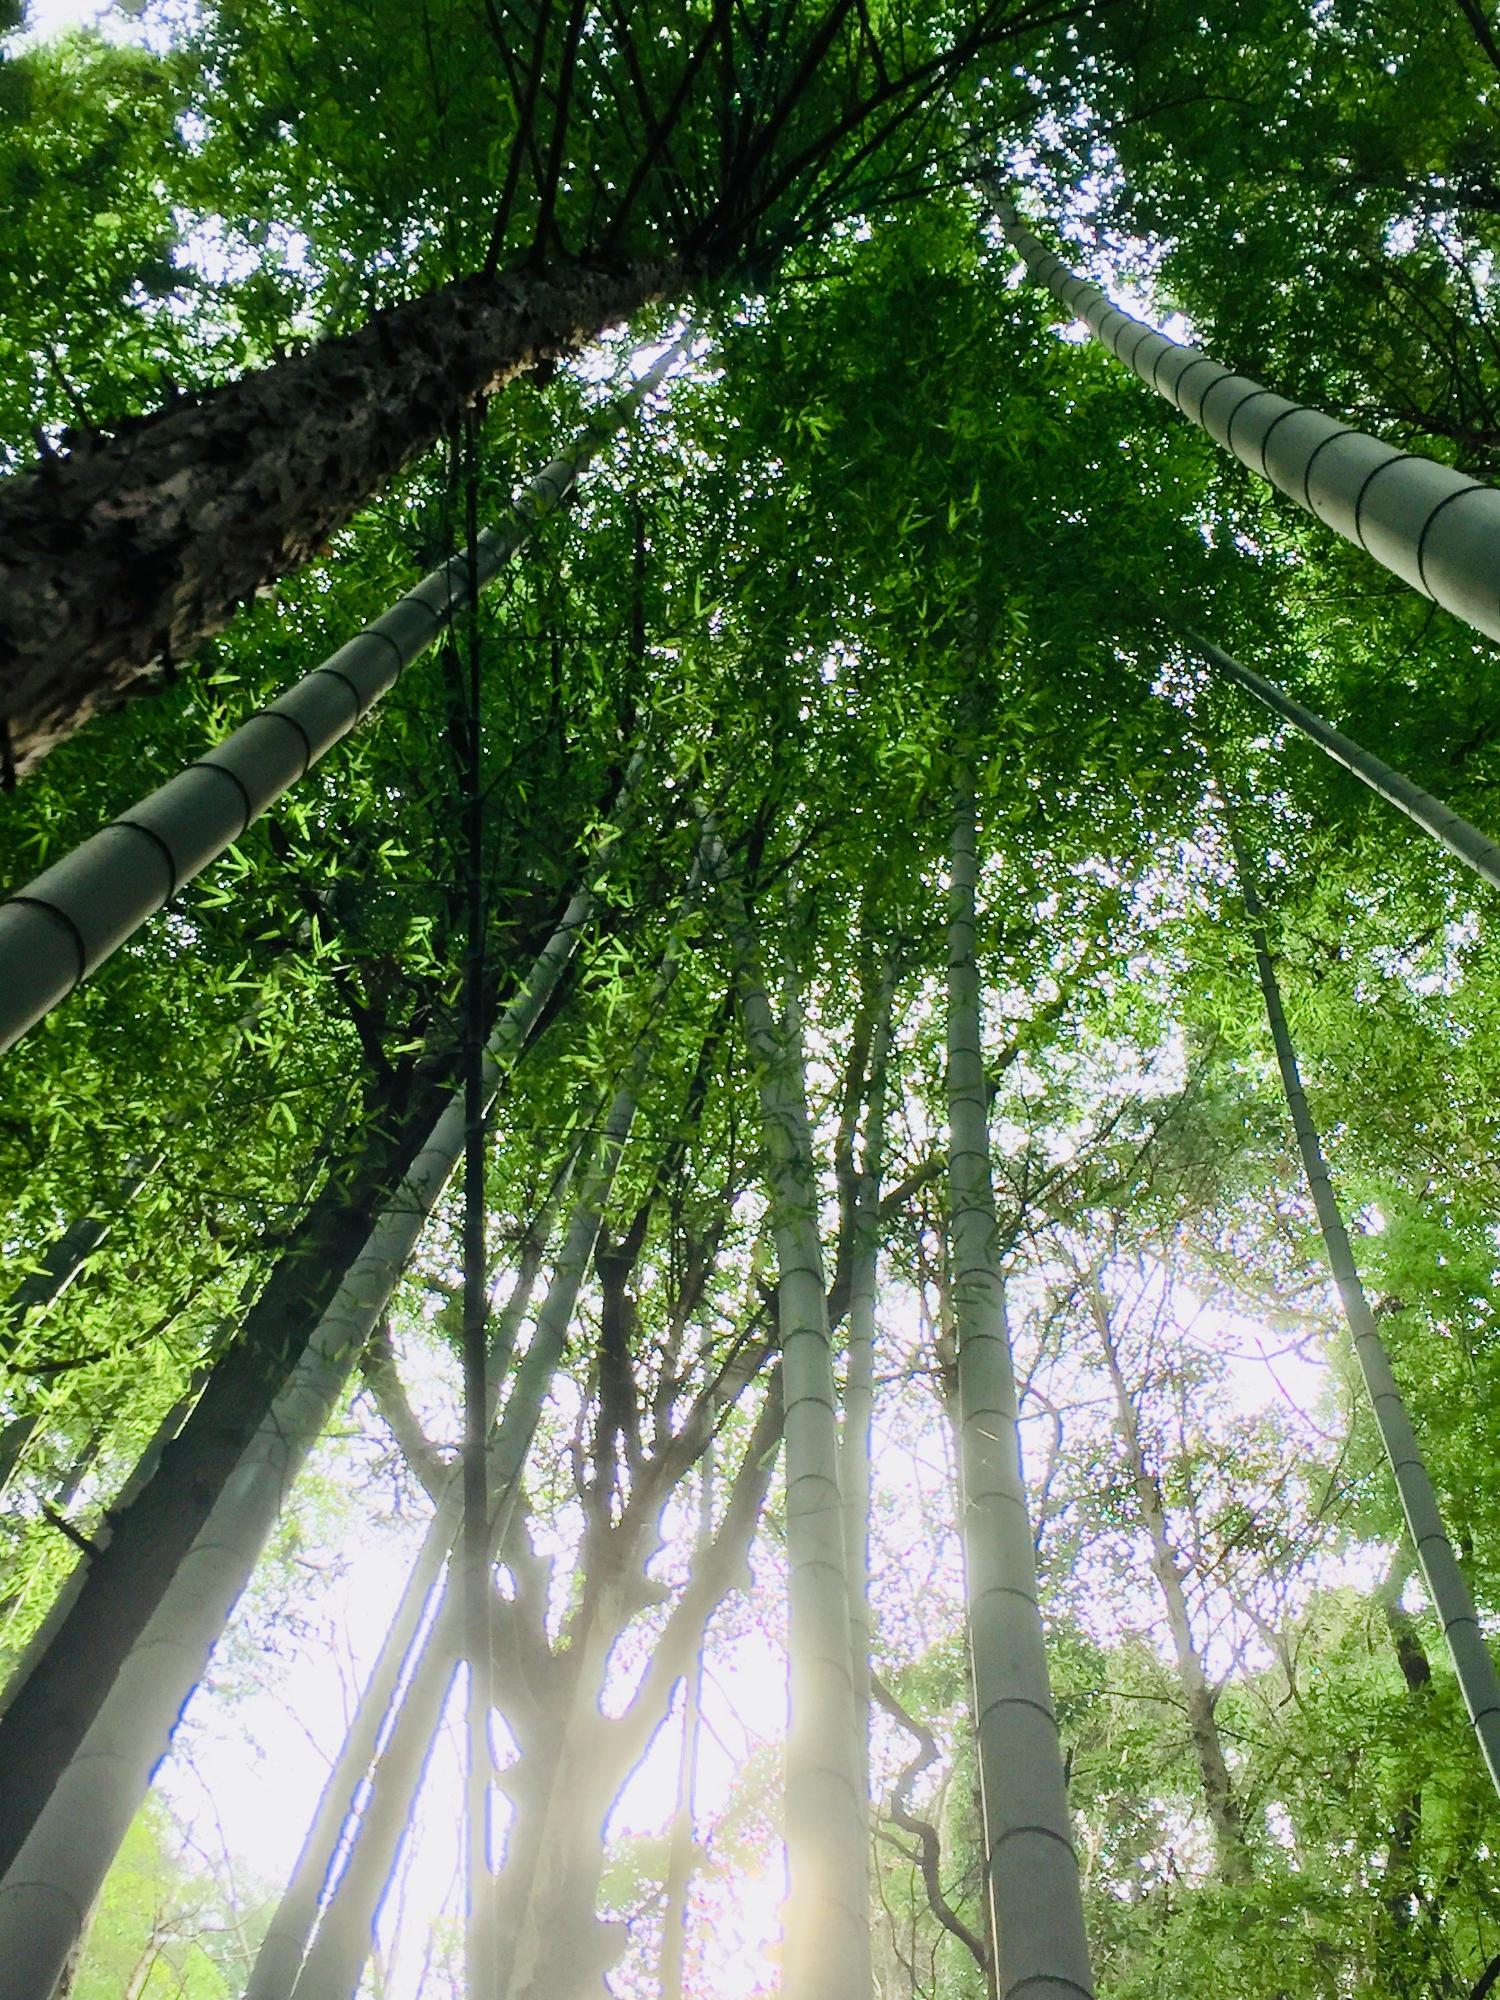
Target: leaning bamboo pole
1475	849
61	926
1447	1587
336	1957
48	1889
284	1945
1435	528
1031	1871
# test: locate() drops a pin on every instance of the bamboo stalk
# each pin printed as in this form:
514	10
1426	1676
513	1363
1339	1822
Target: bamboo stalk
61	926
46	1893
1436	529
1446	1584
1475	849
827	1818
1031	1871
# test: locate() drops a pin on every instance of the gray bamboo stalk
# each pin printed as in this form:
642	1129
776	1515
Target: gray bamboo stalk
1436	529
1446	1585
282	1949
827	1917
47	1892
1031	1871
60	927
682	1848
1197	1693
1475	849
859	1381
370	1846
341	1945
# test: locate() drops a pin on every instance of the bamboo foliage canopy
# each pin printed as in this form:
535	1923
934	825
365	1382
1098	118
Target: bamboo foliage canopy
761	683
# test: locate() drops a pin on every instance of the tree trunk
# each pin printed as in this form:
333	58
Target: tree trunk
561	1950
1435	528
1472	847
827	1816
1036	1910
57	929
1198	1697
1445	1581
338	1952
131	549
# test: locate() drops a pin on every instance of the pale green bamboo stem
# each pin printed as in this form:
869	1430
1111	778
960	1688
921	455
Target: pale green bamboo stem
282	1949
339	1949
859	1381
1472	847
65	923
1446	1585
1435	528
827	1916
46	1894
1035	1904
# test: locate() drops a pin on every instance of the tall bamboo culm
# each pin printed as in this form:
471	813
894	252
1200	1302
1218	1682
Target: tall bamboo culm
1035	1903
827	1917
1446	1585
62	925
1435	528
1475	849
46	1894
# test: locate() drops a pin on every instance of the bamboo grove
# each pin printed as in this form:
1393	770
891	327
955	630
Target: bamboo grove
749	841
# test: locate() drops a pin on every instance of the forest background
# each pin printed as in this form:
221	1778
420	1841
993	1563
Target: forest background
890	506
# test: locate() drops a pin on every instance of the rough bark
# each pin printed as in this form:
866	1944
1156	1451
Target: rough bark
1036	1908
1198	1695
61	926
128	550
